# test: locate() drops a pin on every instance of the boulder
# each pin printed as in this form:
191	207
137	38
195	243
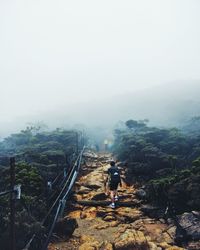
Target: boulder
107	246
191	223
141	194
102	226
99	196
128	214
84	190
89	243
93	184
114	223
153	246
164	245
151	211
89	213
109	217
131	239
65	227
170	235
75	214
193	246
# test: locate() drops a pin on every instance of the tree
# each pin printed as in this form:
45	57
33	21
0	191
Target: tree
132	124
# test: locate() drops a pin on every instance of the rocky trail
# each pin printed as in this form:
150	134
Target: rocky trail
98	227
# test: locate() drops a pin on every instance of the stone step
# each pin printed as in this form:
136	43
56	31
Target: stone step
134	203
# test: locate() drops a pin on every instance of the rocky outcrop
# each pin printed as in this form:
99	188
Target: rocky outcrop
190	222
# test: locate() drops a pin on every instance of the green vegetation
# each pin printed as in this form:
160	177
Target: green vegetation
166	160
40	157
181	189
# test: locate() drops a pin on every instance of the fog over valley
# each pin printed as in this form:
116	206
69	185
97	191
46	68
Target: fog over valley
167	105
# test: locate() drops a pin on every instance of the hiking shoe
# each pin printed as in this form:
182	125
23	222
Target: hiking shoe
116	198
112	205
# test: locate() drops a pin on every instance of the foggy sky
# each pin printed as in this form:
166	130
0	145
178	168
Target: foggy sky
58	53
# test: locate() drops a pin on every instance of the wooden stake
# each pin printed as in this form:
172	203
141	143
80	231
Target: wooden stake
12	205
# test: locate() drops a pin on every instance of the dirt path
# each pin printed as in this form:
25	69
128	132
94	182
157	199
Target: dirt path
104	228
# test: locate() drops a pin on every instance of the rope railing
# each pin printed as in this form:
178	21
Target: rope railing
62	202
52	226
63	189
6	192
62	196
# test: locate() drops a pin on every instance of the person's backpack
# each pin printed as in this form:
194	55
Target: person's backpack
114	175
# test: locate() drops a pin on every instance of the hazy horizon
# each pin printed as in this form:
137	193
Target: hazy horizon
60	57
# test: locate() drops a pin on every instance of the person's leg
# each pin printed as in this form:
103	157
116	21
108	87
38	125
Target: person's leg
113	193
112	196
116	195
107	189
